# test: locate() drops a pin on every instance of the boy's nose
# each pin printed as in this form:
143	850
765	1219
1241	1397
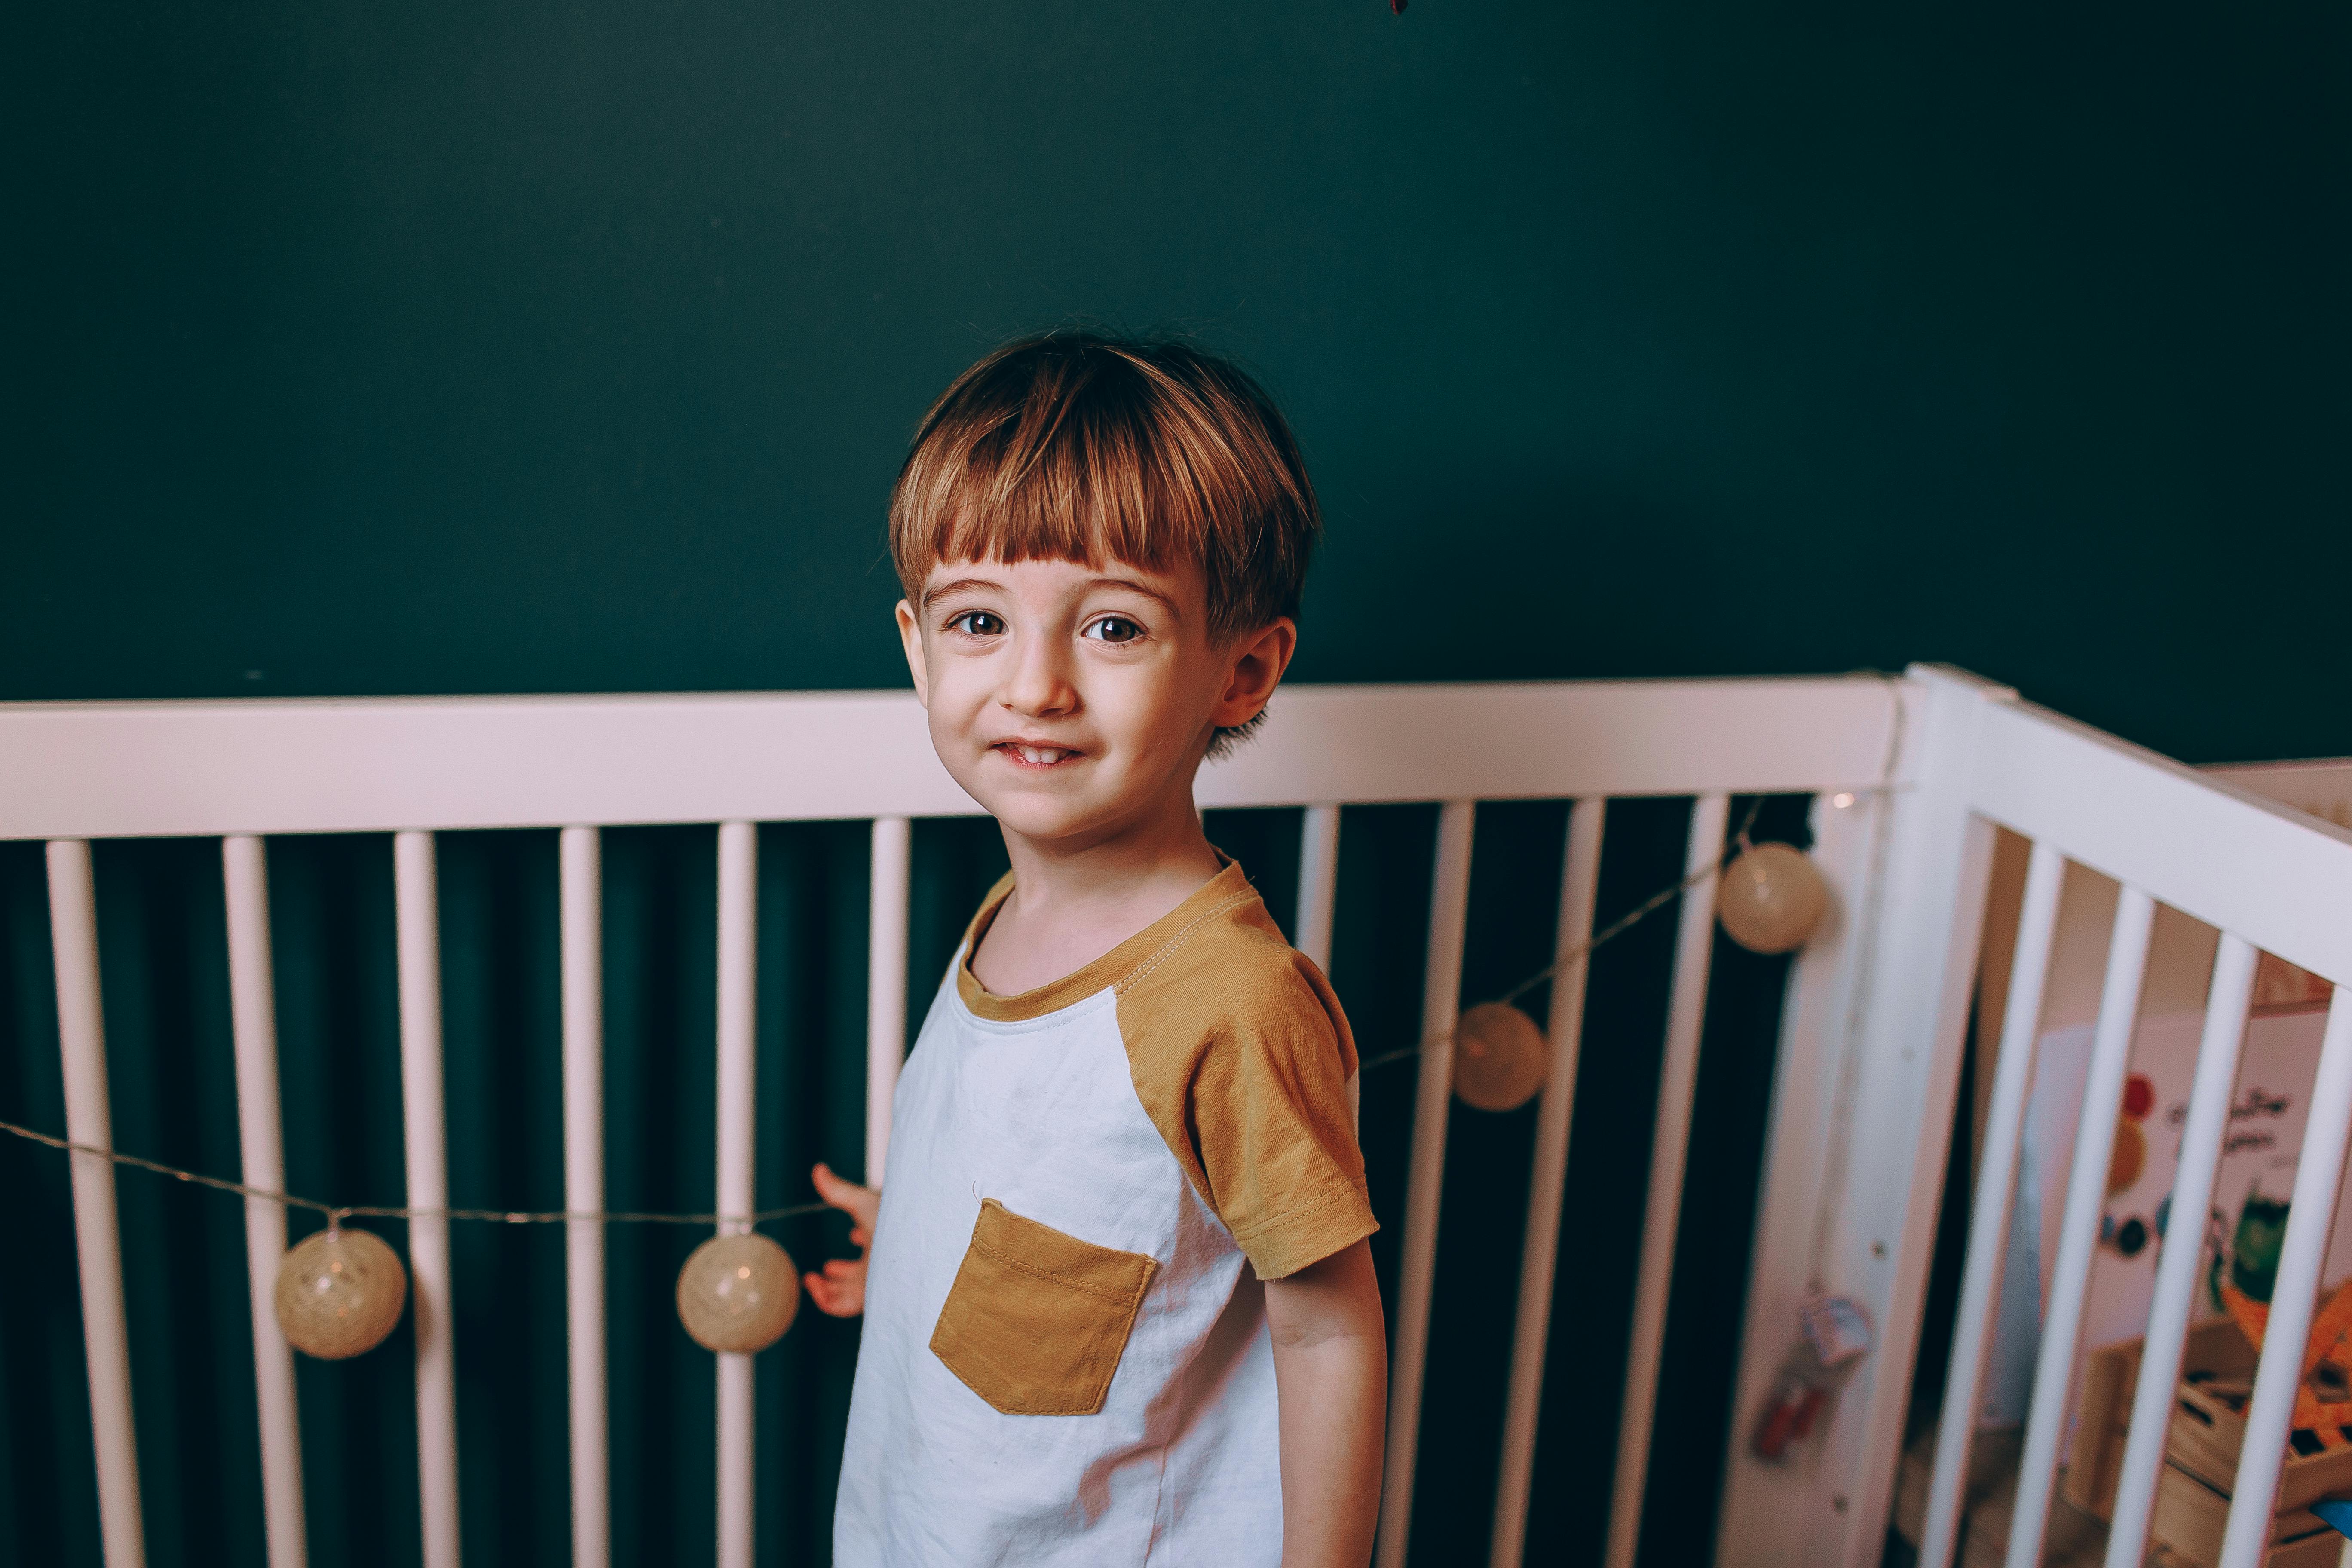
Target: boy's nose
1040	681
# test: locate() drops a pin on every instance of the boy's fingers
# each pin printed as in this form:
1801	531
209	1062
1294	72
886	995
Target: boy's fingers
859	1235
858	1203
834	1300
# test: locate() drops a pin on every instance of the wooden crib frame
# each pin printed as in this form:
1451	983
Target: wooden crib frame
1910	777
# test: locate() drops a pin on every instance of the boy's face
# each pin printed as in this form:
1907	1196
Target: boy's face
1075	702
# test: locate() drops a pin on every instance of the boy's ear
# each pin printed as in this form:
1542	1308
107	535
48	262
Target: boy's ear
1259	661
911	636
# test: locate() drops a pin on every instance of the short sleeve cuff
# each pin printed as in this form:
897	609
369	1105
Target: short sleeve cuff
1336	1218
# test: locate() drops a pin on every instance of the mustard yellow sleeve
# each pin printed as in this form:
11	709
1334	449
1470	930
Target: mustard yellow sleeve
1242	1056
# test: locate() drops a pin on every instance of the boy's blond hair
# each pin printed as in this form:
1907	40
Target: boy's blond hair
1082	446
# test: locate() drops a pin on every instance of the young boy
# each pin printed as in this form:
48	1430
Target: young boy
1119	1303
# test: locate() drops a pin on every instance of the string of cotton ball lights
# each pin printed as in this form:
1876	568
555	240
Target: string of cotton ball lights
341	1291
1770	899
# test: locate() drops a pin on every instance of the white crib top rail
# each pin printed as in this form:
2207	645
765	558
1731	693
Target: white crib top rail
2276	876
100	769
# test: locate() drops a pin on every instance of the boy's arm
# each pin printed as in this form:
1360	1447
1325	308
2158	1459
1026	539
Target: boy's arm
1332	1378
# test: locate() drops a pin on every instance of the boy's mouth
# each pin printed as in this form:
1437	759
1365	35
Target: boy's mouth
1035	756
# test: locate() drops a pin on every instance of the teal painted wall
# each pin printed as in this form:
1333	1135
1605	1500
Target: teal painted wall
445	350
535	348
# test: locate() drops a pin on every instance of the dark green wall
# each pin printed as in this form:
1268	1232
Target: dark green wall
450	348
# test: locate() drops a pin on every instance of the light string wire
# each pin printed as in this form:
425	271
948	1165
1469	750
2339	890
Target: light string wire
1842	1113
1827	1208
337	1213
1616	928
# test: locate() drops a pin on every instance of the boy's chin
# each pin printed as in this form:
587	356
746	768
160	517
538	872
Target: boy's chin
1045	821
1049	812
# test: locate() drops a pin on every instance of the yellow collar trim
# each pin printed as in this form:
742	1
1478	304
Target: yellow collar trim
1227	888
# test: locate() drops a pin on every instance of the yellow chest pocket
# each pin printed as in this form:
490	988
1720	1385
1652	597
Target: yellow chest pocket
1037	1320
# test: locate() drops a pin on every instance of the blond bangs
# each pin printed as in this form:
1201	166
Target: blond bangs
1079	448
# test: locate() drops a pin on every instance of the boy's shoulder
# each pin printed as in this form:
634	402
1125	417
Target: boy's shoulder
1240	1054
1226	976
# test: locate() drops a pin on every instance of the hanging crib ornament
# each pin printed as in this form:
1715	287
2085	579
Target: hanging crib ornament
1836	1334
338	1293
1499	1060
1772	897
738	1294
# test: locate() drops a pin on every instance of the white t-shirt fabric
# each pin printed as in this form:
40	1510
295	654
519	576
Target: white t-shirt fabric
1069	1172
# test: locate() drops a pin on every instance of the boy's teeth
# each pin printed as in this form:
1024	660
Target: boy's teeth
1041	754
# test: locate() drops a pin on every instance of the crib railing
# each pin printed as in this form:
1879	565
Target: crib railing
1908	777
2270	879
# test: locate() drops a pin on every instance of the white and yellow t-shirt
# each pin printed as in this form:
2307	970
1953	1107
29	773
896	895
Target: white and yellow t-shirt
1064	1361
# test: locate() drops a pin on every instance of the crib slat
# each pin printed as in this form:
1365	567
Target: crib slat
2078	1233
1319	887
1579	881
2176	1267
1318	882
886	984
417	907
739	868
2012	1084
1449	910
581	893
253	1013
1677	1083
106	1345
2310	1221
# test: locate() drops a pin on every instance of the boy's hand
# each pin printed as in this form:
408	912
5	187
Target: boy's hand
839	1291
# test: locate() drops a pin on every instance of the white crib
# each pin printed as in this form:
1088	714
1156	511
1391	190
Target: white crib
1910	776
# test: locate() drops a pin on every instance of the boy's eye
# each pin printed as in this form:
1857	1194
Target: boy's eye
978	624
1113	628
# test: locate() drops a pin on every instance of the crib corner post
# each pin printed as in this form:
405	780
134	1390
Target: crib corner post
1880	1183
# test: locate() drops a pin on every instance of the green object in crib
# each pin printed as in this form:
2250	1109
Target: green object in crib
2254	1249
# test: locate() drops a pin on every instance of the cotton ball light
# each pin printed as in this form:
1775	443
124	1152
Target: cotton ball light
1772	897
1499	1059
338	1293
739	1293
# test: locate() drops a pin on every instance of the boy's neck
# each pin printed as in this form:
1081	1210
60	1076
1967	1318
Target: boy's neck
1072	903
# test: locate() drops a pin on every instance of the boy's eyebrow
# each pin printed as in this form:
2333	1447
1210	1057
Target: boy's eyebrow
957	585
967	585
1134	587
